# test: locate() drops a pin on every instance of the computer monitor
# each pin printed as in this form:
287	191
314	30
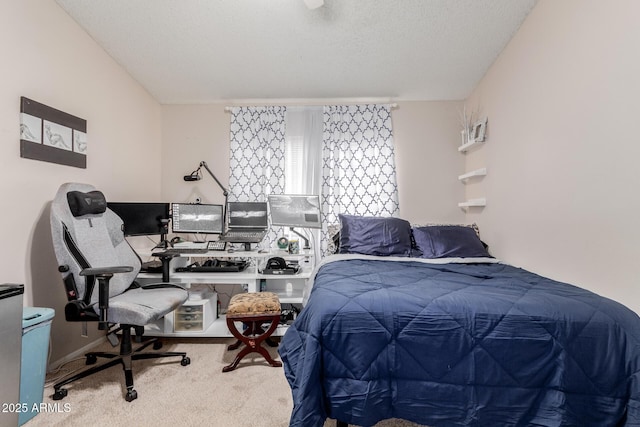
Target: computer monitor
142	218
295	210
197	218
247	215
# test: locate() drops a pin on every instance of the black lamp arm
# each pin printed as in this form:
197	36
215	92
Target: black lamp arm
195	176
203	164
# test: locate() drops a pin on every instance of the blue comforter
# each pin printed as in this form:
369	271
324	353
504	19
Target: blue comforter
459	344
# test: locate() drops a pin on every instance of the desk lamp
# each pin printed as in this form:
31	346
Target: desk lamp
197	176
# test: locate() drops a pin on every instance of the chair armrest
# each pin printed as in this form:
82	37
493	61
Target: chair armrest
162	285
101	271
103	275
165	258
163	255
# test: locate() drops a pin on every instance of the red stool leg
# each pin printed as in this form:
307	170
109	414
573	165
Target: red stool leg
252	338
252	328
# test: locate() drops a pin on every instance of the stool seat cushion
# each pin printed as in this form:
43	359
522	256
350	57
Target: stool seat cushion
254	304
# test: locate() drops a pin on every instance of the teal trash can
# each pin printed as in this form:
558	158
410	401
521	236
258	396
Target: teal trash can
36	327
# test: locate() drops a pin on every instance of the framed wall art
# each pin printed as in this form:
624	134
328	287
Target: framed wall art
52	135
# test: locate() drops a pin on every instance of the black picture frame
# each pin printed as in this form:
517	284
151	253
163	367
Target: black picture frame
51	135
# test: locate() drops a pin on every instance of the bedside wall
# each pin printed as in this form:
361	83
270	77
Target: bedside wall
562	147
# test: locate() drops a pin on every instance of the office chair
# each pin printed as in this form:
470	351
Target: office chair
91	250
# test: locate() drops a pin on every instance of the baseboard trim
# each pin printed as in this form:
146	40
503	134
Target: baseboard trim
74	355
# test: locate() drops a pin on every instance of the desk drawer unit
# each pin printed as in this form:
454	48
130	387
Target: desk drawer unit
195	315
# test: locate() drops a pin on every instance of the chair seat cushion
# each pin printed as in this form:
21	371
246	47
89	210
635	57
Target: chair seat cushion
140	306
254	304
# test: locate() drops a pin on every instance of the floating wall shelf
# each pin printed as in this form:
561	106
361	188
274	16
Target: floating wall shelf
474	173
464	147
473	203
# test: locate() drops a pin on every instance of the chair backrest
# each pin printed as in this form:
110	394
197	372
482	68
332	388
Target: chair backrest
87	234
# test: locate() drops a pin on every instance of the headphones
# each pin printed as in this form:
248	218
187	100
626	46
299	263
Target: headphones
211	263
276	263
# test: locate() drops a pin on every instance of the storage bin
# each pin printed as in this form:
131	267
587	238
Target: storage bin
36	327
196	315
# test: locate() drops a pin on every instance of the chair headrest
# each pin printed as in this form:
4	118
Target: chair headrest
92	202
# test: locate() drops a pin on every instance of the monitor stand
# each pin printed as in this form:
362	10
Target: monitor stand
306	241
164	244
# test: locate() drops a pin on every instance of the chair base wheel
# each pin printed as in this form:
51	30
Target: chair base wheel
131	395
60	394
157	345
126	357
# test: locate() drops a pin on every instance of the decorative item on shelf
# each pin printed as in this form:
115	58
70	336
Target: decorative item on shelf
466	123
476	135
294	246
283	243
478	131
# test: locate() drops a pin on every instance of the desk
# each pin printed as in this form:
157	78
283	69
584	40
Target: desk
289	289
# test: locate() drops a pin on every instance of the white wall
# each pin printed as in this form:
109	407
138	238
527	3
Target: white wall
426	137
191	134
563	147
47	57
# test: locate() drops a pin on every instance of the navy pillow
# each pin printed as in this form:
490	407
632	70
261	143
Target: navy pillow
374	236
449	241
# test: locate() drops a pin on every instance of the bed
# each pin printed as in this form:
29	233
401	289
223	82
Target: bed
456	340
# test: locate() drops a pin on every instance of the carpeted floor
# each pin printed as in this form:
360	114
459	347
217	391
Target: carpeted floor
254	395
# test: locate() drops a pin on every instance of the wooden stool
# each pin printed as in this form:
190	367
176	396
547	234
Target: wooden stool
253	310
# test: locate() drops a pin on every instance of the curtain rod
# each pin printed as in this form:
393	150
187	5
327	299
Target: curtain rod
392	105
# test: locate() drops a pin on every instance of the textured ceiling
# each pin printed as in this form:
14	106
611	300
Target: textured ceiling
200	51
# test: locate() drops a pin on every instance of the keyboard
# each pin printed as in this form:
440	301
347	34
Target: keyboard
219	267
196	247
217	245
237	236
180	251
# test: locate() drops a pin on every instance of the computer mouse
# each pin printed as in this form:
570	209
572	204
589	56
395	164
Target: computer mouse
231	250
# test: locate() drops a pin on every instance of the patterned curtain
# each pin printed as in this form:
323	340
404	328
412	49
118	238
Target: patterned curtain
257	155
358	167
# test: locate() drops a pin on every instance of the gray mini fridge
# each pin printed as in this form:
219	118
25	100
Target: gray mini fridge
10	352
